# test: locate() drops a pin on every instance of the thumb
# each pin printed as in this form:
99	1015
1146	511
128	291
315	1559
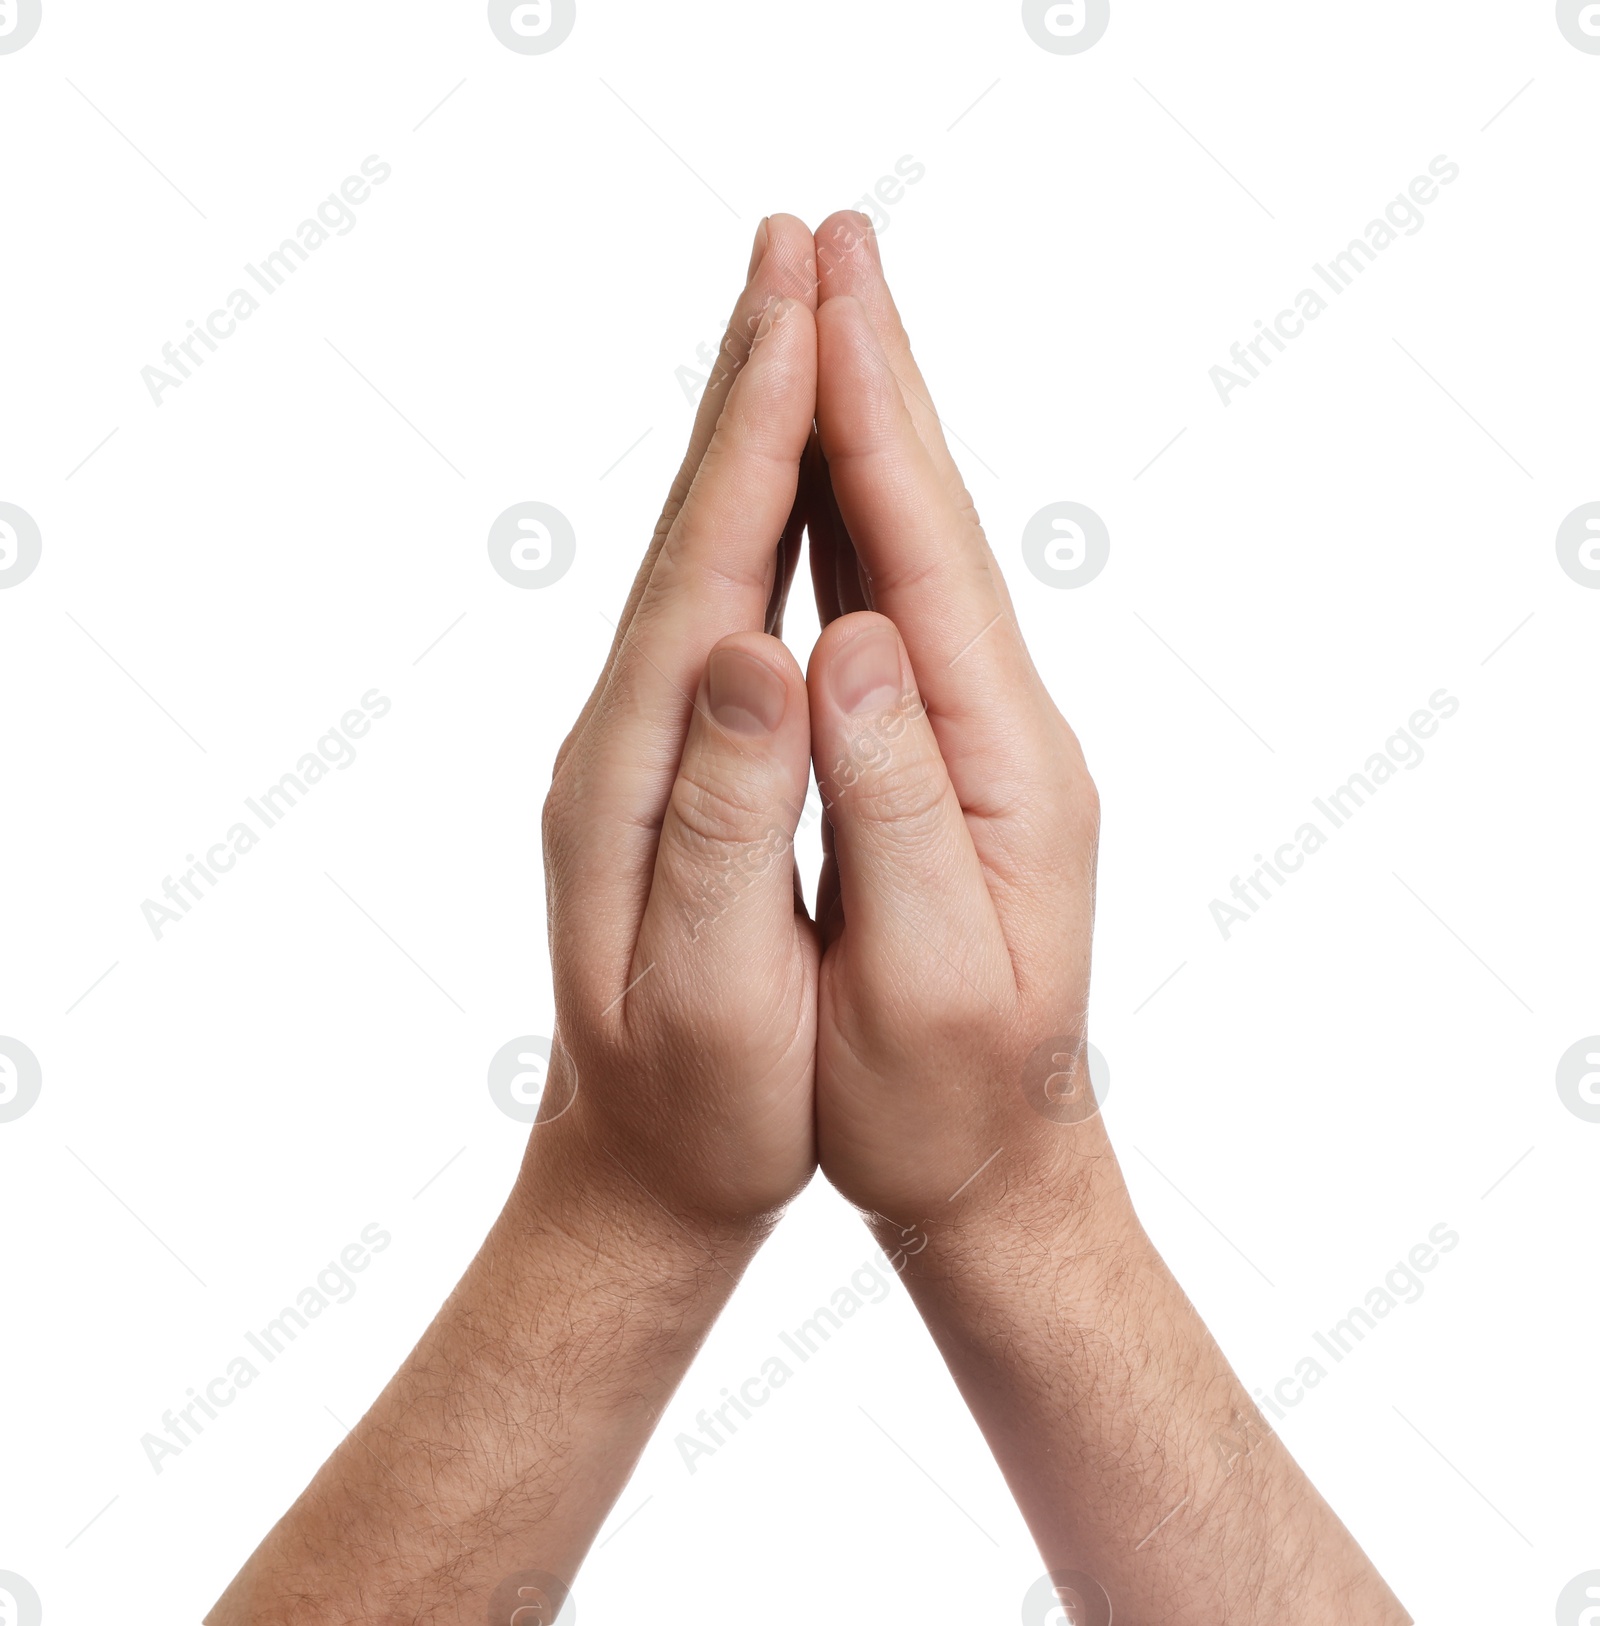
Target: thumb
908	874
723	880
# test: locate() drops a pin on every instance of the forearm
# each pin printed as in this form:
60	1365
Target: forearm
685	982
507	1435
1135	1453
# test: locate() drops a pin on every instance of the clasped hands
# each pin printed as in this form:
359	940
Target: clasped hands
720	1042
922	1040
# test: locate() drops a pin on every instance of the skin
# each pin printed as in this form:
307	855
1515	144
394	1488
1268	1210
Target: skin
923	1042
956	910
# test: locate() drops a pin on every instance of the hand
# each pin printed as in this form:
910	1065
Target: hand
957	898
953	1102
677	1118
685	966
955	911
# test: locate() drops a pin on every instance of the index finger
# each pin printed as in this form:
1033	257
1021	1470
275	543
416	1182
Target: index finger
782	266
927	563
849	263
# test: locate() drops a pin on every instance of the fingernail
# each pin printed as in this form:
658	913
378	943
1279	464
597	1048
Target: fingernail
866	677
756	253
747	696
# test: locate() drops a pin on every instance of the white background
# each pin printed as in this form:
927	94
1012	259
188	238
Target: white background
229	572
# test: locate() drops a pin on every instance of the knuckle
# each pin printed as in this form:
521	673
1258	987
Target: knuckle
551	818
716	808
669	513
565	751
556	812
1082	794
964	504
1089	802
882	784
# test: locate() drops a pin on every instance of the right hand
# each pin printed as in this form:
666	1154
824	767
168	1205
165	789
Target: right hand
957	898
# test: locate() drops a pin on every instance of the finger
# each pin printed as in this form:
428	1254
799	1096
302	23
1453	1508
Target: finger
908	874
835	570
788	563
723	884
851	586
850	263
930	571
782	266
718	567
714	576
830	905
822	532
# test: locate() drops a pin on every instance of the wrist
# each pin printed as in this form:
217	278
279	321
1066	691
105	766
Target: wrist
589	1229
604	1160
1061	1226
514	1423
1042	1196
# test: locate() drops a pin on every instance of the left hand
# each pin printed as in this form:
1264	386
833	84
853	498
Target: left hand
684	963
